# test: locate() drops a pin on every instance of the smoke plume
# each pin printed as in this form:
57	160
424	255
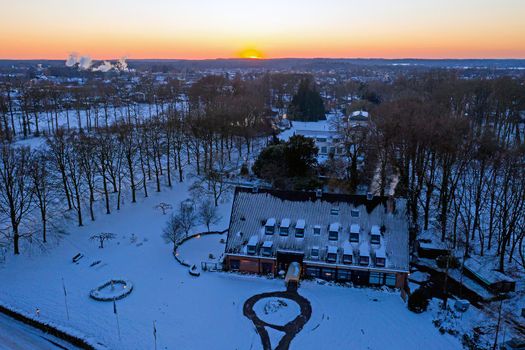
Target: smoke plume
86	63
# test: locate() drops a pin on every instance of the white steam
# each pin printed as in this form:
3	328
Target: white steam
86	63
104	67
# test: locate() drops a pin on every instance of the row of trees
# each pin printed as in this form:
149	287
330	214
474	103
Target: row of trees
76	169
457	148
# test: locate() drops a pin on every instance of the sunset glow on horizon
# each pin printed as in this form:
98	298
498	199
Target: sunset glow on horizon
201	29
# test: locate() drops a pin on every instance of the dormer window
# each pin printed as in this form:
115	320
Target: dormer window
269	227
354	233
375	235
314	253
354	213
331	254
334	211
333	232
317	230
347	259
285	227
267	248
299	228
251	247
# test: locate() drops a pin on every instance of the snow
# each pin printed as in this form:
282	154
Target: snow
354	228
268	244
300	224
285	223
419	277
190	313
355	318
270	222
332	249
277	311
364	249
334	227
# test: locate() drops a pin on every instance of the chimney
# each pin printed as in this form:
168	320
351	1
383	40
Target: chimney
318	193
369	196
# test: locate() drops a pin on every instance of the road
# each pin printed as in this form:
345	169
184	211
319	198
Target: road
15	335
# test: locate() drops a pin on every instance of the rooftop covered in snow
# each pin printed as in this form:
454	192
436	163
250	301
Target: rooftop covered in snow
315	216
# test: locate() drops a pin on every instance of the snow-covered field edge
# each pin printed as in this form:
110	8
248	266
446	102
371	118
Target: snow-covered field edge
69	335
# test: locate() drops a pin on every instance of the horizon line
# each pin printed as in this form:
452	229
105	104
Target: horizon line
276	58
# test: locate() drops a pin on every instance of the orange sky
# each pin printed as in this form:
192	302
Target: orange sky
286	28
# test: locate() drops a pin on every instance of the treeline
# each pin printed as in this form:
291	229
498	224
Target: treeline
457	148
75	169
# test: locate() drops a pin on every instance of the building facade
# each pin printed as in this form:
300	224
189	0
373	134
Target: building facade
336	237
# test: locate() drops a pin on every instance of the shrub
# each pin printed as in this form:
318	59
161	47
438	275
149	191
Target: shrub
418	301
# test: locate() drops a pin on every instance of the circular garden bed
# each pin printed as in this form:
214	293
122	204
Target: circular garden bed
112	290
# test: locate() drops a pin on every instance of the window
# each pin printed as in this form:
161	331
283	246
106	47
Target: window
375	278
354	237
334	211
332	150
331	258
269	227
375	239
312	271
267	251
299	232
283	231
380	262
328	274
315	253
354	213
323	150
251	250
364	260
344	275
234	264
347	259
390	279
317	230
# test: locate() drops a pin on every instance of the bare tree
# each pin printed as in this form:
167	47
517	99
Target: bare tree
164	207
43	187
173	232
16	192
102	237
208	213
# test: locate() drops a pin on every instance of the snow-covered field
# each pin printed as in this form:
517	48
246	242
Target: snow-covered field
191	313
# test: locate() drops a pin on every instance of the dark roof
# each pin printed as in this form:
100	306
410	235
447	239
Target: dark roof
303	196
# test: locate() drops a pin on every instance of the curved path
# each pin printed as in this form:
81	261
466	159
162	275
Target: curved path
290	329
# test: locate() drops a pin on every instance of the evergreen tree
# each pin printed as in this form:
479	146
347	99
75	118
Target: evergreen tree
307	104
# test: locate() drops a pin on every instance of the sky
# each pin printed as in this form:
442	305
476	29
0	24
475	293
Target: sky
199	29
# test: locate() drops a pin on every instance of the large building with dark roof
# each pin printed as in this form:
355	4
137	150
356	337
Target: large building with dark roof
346	238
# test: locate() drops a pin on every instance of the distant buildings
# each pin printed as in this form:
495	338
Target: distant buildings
347	238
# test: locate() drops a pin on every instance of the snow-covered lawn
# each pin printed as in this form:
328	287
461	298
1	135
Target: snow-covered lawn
191	313
277	311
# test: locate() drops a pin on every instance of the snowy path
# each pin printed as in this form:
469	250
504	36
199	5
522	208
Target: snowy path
15	335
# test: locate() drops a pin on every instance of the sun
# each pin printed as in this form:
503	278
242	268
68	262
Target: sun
252	54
